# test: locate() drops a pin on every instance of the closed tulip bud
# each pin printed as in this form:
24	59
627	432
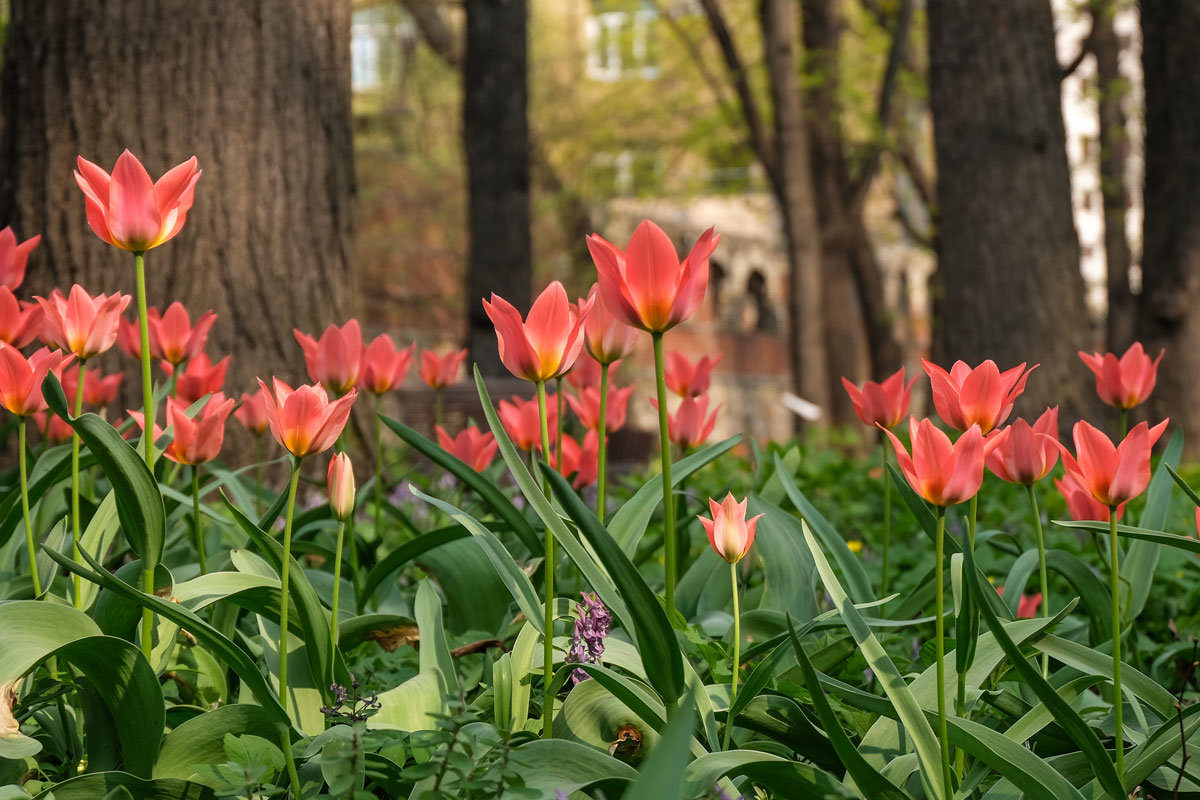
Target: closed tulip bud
341	486
883	404
982	396
128	209
729	532
945	474
1124	382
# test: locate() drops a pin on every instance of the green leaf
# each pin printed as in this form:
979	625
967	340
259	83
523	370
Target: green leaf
655	636
408	551
1188	543
1010	759
789	572
356	630
663	771
50	468
103	784
200	740
415	704
550	765
1141	557
1093	662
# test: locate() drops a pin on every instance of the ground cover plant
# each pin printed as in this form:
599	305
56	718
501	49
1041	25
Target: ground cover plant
977	610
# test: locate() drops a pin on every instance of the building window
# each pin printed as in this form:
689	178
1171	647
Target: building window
364	58
621	44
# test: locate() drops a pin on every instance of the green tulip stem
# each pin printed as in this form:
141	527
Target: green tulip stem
939	635
437	406
548	566
258	474
139	261
670	557
602	445
1042	581
197	531
1115	585
283	584
378	467
737	651
1124	422
76	525
558	422
887	518
30	540
337	585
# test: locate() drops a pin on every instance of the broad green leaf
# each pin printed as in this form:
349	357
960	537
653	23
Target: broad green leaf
595	716
415	704
786	776
466	574
1188	543
664	769
382	628
200	740
1141	556
789	583
50	468
1093	662
104	784
1010	759
552	765
407	552
97	537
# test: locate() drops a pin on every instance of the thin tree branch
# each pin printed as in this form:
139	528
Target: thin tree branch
435	30
1085	47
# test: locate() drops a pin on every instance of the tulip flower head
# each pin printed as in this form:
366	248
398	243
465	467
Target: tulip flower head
334	360
80	324
21	378
578	460
194	440
587	408
881	404
440	371
129	336
98	389
341	486
1081	505
20	322
129	210
199	377
729	532
647	286
172	337
687	379
1022	453
1126	381
945	474
1027	606
1112	474
303	420
982	396
545	344
520	419
606	338
691	424
13	258
252	412
475	449
383	366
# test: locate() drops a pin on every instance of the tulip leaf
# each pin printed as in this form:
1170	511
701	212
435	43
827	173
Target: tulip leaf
1033	776
1141	556
655	636
121	784
201	739
485	488
51	467
139	501
559	765
408	551
1093	662
1188	543
662	774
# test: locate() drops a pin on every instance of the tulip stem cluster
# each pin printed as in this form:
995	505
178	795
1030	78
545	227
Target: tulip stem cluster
939	639
30	540
196	531
669	544
1043	583
283	583
1115	587
548	567
737	654
76	533
602	451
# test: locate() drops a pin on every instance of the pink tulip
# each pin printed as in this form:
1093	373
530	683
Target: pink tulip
1021	453
303	420
687	379
13	257
475	449
194	440
942	473
172	337
98	389
383	366
647	286
606	338
881	404
54	427
128	209
1081	505
252	412
520	419
1027	606
691	424
546	344
334	361
578	460
340	482
21	378
1111	474
983	396
729	532
440	371
587	408
129	336
80	324
1123	382
586	372
199	377
20	322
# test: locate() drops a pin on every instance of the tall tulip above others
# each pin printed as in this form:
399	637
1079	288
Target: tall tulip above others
982	396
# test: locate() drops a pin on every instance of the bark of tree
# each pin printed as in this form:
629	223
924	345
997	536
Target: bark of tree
258	91
1007	247
1166	314
496	141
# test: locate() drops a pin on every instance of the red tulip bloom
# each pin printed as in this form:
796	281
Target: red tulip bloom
521	421
1021	453
20	322
1027	606
1081	505
580	461
194	440
13	257
383	366
252	413
54	428
587	408
21	378
545	344
172	337
475	449
983	396
944	474
647	286
128	209
687	379
129	336
691	424
303	419
1111	474
606	338
80	324
729	532
340	482
98	389
1123	382
586	373
334	361
881	404
437	371
199	377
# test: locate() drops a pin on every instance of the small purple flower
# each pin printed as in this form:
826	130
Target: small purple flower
592	625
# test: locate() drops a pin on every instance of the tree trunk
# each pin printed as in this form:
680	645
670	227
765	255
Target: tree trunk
793	185
496	140
258	91
1007	245
1167	316
1114	150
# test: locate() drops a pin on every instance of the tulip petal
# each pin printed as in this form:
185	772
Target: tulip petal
133	215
